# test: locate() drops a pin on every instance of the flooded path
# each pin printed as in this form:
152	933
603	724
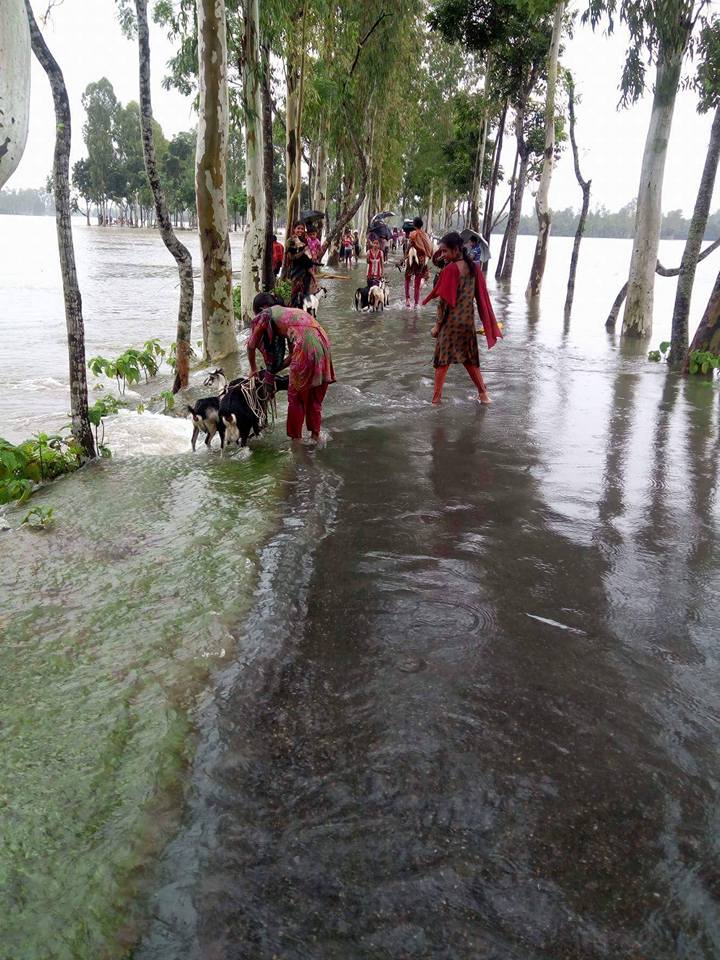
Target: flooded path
476	709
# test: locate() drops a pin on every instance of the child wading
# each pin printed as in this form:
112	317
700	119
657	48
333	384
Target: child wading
375	263
459	287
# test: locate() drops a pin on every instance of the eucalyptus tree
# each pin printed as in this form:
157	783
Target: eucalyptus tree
81	429
542	204
707	84
99	133
660	33
585	188
14	85
211	180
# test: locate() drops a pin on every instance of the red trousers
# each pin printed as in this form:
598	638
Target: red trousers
305	406
418	281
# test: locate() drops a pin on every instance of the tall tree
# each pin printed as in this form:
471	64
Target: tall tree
708	85
211	174
14	85
661	31
179	251
542	204
81	428
585	187
253	110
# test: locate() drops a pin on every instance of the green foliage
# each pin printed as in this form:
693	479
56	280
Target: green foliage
103	407
131	365
283	289
237	302
39	518
41	458
169	398
704	362
661	353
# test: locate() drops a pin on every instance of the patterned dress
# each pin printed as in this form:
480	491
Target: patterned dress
311	361
457	341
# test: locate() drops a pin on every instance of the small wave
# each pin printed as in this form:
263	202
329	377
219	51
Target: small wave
39	383
131	434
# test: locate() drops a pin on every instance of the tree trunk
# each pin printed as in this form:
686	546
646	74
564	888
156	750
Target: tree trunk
585	187
210	182
181	254
637	319
268	166
294	109
516	209
14	85
476	189
707	335
688	264
495	173
542	205
252	92
81	428
319	200
350	209
428	225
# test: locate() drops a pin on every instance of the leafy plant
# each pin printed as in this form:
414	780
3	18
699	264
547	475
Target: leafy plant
661	353
237	302
283	289
43	457
171	354
40	518
704	362
169	398
130	366
103	407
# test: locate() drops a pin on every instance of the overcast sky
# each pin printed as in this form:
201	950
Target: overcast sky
86	40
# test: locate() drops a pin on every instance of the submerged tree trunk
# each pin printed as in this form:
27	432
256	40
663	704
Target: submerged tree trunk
542	204
707	335
81	428
210	182
637	319
688	264
252	93
177	249
14	85
268	280
585	187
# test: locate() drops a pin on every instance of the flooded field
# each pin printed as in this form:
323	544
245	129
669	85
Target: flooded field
446	686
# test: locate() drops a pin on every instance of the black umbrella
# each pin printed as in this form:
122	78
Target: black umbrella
408	225
381	230
311	215
471	236
384	215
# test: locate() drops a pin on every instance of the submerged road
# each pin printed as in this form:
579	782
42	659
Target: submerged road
475	709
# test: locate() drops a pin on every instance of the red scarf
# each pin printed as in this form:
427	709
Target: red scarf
446	288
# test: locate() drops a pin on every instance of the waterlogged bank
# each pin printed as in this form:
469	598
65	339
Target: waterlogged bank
112	622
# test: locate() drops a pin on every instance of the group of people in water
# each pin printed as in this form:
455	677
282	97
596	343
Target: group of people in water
289	338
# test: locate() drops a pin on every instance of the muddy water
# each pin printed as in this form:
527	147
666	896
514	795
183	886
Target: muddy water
481	718
463	690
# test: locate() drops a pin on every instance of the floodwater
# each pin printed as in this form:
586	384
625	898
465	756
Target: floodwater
444	687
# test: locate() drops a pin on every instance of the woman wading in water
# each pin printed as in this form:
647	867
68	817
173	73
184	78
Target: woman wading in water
309	359
459	286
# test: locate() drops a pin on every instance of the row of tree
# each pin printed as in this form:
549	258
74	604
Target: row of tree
394	103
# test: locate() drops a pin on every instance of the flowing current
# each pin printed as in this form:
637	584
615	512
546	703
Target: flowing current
444	687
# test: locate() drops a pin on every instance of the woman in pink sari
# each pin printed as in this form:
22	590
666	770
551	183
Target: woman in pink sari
276	327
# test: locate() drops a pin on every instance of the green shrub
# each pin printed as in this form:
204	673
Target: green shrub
26	464
130	366
660	354
703	361
283	289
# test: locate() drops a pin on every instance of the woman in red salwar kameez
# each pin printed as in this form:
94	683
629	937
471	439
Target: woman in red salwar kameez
459	287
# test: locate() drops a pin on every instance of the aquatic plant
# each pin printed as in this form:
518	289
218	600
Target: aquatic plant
661	353
39	518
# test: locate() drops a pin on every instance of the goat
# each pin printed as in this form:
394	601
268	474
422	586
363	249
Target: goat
312	301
